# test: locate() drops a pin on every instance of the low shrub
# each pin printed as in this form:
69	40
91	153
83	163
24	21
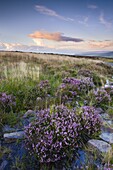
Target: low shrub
53	135
90	122
40	90
101	98
71	88
7	102
58	131
87	73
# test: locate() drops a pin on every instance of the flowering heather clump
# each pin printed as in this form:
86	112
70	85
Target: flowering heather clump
53	135
90	121
101	97
6	102
84	84
58	131
85	73
44	84
72	87
44	88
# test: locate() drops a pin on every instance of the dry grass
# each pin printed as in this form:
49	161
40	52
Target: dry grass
58	61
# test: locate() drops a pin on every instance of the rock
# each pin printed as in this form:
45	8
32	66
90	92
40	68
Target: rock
99	145
29	113
3	165
7	128
106	136
12	137
105	116
107	86
106	128
107	124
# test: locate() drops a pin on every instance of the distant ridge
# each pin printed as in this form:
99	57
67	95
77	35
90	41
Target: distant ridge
107	54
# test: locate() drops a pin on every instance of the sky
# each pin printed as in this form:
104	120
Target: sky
56	26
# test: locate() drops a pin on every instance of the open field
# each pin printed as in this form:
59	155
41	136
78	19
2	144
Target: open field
52	99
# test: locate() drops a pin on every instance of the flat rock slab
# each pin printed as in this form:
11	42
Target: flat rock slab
108	137
105	128
29	113
8	129
99	145
105	116
11	137
3	165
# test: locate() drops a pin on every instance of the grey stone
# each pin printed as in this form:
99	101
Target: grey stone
106	136
111	84
99	145
105	116
106	128
3	165
108	123
11	137
29	113
7	128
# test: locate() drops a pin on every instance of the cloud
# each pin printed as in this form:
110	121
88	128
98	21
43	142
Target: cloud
84	21
57	36
18	47
46	11
104	21
91	6
100	44
42	45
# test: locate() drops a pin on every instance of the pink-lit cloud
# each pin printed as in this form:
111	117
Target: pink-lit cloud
100	44
41	45
57	36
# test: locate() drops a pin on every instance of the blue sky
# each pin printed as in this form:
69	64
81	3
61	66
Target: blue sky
58	26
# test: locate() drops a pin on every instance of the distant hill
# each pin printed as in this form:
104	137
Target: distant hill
108	54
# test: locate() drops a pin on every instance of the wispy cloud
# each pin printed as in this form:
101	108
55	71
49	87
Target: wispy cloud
46	11
91	6
84	21
57	36
100	44
104	21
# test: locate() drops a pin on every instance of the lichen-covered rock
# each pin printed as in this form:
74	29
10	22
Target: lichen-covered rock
8	129
106	136
29	113
3	165
12	137
99	145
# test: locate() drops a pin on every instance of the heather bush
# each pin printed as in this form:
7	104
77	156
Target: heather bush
40	90
53	135
90	122
81	85
43	88
7	102
58	131
87	73
100	98
72	88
